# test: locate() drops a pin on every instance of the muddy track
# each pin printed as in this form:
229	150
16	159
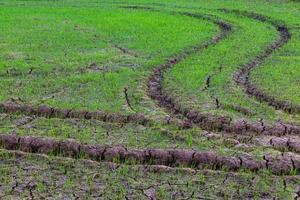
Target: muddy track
19	182
241	77
46	111
283	164
218	123
137	167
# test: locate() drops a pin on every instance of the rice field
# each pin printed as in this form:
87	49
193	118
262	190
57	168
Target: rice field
149	99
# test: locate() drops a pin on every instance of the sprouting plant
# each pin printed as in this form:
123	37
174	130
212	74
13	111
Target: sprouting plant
189	140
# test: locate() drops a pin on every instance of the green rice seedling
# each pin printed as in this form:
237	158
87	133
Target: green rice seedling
100	55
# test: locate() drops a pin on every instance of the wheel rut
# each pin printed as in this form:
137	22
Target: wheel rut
155	79
281	165
166	158
204	121
50	112
223	123
241	77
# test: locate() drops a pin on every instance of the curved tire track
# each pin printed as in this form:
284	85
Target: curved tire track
204	121
241	77
168	158
50	112
221	123
154	81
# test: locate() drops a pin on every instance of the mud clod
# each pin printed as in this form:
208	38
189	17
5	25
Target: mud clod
10	142
160	157
69	148
45	111
183	157
229	163
205	159
93	152
248	163
115	153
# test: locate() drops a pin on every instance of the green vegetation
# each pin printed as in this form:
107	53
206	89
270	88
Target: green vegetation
101	56
279	76
188	78
74	58
57	178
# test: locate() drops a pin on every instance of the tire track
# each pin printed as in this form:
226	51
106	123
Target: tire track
282	165
50	112
241	77
204	121
221	123
283	144
225	178
154	81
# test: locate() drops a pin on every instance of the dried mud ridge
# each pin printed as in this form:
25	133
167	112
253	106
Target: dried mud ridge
219	123
285	144
19	185
241	77
51	112
281	165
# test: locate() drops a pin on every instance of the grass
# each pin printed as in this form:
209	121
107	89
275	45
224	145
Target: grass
282	70
129	135
84	55
191	74
81	65
56	178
